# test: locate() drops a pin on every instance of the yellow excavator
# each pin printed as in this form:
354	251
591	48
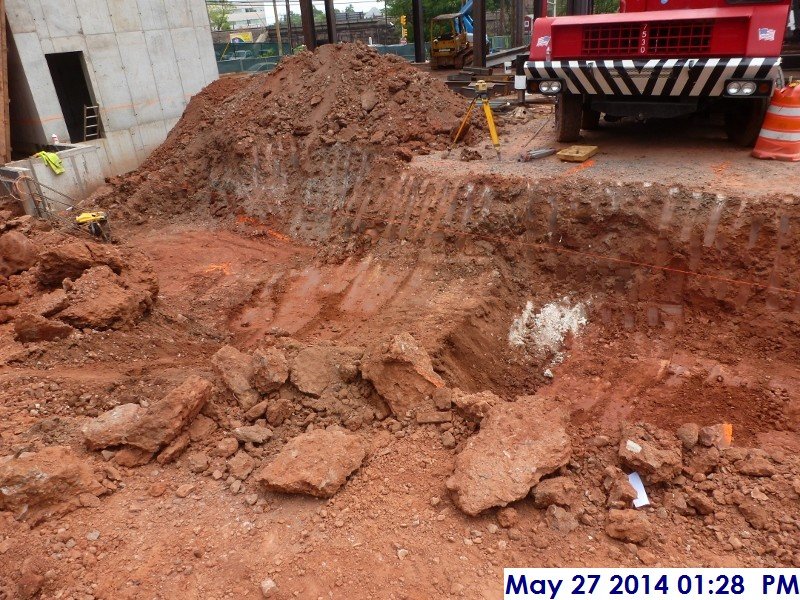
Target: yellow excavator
451	46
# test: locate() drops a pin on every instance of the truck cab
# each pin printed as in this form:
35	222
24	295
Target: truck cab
658	59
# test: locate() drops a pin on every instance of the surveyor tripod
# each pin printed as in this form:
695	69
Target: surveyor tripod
482	99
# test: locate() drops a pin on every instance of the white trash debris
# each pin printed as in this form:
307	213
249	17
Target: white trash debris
641	494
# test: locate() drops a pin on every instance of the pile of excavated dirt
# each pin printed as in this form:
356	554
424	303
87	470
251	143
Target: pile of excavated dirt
339	99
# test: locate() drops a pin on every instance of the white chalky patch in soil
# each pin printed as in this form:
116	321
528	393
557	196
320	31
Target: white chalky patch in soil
544	331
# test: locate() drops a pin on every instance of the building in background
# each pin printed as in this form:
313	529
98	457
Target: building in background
132	64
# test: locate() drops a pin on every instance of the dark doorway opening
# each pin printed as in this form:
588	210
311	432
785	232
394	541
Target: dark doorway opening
68	71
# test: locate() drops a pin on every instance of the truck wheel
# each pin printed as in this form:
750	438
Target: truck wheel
743	120
569	111
590	120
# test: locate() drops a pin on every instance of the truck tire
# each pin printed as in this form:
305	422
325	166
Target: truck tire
743	120
569	112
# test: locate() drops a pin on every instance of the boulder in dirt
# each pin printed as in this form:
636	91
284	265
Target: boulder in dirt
628	525
152	429
403	374
71	259
278	410
755	514
318	368
167	417
17	253
112	427
270	369
653	452
52	303
719	435
241	465
44	484
316	463
235	368
618	487
101	299
474	407
255	434
560	491
756	466
518	444
35	328
688	434
560	519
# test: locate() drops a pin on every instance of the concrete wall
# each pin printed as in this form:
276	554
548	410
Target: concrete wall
85	168
144	58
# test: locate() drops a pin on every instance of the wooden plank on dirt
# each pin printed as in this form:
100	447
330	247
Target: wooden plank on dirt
577	153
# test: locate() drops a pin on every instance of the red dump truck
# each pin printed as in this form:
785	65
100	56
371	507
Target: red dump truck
659	59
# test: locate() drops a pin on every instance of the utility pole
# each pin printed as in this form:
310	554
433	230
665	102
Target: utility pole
519	22
307	18
330	19
479	33
277	27
419	28
5	121
289	26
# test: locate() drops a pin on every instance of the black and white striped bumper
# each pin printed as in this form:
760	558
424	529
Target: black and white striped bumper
680	77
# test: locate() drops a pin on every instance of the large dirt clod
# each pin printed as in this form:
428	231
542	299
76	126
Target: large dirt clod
35	328
654	453
152	429
317	463
17	253
236	370
100	299
403	374
518	444
71	259
317	368
44	484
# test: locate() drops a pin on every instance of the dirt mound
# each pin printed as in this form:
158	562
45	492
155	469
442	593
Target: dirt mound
238	133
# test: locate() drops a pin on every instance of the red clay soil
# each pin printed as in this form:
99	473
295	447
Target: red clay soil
359	274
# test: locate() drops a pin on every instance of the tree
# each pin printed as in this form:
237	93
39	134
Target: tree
430	8
218	15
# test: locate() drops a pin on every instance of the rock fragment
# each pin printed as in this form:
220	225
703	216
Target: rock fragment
474	407
518	444
403	374
560	491
270	369
152	429
318	368
38	486
654	453
688	434
628	525
36	328
17	253
316	463
255	434
236	370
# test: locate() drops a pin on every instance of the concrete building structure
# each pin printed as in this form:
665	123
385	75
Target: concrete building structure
138	61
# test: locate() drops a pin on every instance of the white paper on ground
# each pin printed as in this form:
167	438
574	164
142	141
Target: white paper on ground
641	493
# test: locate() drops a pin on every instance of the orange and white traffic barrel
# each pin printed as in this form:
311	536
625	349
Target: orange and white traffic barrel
780	134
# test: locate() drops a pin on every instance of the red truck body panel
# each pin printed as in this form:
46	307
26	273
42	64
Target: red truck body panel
666	32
